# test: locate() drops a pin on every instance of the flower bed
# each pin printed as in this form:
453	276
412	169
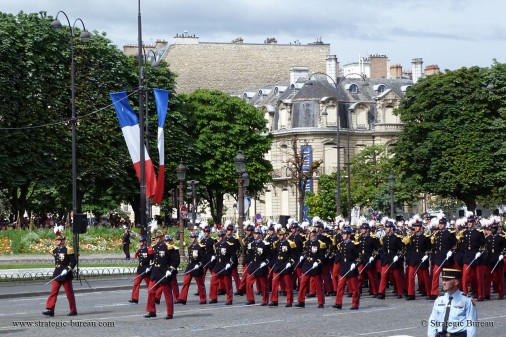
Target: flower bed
41	241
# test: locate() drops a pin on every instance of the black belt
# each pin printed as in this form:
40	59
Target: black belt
455	334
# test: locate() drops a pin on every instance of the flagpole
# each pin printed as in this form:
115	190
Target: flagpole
142	201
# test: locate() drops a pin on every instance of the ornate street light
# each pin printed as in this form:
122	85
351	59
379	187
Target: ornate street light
391	180
85	37
181	175
240	169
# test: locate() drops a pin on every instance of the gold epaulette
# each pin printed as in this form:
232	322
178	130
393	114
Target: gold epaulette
322	244
292	244
356	242
406	240
70	250
399	236
169	246
230	243
202	245
267	237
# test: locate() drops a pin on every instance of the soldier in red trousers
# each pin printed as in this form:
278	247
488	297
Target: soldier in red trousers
65	261
145	256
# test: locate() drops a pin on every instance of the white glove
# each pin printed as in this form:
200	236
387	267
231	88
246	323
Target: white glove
301	258
315	264
424	258
168	273
228	266
501	257
352	266
213	258
371	259
63	272
263	264
449	254
288	265
477	255
148	269
396	258
197	266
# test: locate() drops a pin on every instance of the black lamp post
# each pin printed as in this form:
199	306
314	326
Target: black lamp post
391	180
193	197
181	175
240	169
85	37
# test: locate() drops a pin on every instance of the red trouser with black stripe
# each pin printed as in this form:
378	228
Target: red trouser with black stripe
167	293
55	289
137	285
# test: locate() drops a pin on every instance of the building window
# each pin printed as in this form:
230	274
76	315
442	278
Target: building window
353	88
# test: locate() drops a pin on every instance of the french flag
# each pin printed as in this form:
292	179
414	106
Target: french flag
162	103
129	124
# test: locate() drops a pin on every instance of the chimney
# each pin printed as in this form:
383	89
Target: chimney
298	72
431	70
416	65
160	43
332	67
396	71
185	38
378	66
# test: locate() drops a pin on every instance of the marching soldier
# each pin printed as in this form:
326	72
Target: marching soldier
327	262
443	243
271	238
173	286
165	262
298	239
472	244
418	261
285	256
196	257
208	243
248	255
65	261
368	249
261	254
145	256
312	269
225	251
236	244
390	261
496	246
348	271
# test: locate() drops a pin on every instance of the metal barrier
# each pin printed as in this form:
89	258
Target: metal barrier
38	275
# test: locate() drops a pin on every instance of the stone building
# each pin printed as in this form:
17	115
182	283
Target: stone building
232	66
305	108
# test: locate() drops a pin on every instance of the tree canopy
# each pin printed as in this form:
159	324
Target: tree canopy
221	125
453	141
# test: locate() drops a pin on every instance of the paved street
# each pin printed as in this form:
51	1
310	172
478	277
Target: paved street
107	303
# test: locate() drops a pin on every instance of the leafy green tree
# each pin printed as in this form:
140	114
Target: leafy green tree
35	91
453	141
221	125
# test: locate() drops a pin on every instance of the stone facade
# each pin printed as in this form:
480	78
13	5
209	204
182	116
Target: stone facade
236	65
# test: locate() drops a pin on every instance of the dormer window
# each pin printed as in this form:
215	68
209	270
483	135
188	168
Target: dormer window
405	88
379	88
352	88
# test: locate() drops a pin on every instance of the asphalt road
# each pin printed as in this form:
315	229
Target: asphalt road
105	311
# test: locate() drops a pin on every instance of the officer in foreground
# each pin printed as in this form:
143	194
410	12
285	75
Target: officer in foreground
453	313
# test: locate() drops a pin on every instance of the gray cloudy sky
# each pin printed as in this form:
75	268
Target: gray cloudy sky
449	33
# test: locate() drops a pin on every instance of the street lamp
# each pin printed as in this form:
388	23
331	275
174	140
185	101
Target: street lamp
181	174
391	180
338	141
85	37
193	197
240	169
